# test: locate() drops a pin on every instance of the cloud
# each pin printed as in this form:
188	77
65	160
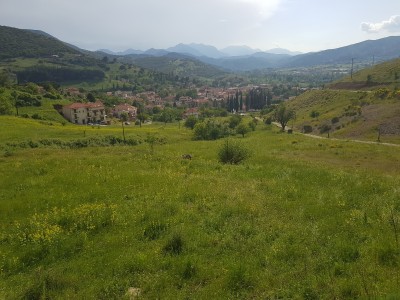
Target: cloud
142	24
391	25
265	8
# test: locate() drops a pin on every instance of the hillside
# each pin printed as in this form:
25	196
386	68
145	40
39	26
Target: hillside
386	74
30	44
365	107
301	219
368	51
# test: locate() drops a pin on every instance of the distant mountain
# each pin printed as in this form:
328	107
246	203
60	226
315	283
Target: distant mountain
259	60
197	50
184	49
30	43
239	51
126	52
177	63
283	51
367	51
156	52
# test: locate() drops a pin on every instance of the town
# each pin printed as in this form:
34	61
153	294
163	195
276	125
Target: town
87	109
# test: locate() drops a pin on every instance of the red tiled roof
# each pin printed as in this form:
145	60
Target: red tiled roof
124	107
76	105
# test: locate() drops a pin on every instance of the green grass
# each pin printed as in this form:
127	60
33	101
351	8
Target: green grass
301	218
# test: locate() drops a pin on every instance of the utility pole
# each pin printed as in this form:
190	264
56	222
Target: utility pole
352	64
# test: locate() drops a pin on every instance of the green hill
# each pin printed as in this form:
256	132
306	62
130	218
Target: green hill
16	43
365	107
386	74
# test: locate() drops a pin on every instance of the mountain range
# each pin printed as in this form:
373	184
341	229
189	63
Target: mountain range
244	58
32	43
201	50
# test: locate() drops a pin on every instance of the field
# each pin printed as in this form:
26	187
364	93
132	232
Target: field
303	218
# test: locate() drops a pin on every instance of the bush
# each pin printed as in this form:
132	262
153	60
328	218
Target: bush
190	122
154	230
268	121
307	128
174	246
314	114
234	121
335	120
325	128
232	153
210	130
253	124
36	116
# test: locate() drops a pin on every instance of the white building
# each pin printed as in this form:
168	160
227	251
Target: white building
84	113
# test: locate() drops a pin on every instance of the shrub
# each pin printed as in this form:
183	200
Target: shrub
189	271
314	114
174	246
268	121
8	153
335	120
154	230
191	122
388	256
381	93
232	153
36	116
307	128
324	128
210	130
253	124
234	121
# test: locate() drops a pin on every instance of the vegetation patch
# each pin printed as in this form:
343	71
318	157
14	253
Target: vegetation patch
232	152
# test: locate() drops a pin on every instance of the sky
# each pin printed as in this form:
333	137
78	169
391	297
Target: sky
296	25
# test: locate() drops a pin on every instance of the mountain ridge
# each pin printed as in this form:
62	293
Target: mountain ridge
34	43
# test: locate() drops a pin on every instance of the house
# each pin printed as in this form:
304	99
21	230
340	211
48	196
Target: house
125	108
200	102
84	113
191	112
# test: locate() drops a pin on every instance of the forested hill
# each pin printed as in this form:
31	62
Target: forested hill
28	43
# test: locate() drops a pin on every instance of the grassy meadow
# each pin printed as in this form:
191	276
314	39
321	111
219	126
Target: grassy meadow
302	218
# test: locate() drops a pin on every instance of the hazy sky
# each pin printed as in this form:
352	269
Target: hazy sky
297	25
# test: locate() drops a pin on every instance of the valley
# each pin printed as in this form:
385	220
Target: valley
179	185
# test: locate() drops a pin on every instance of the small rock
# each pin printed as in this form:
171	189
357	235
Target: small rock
133	293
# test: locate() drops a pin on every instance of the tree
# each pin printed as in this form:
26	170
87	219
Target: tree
90	97
124	118
5	105
190	122
234	121
14	94
283	115
242	129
